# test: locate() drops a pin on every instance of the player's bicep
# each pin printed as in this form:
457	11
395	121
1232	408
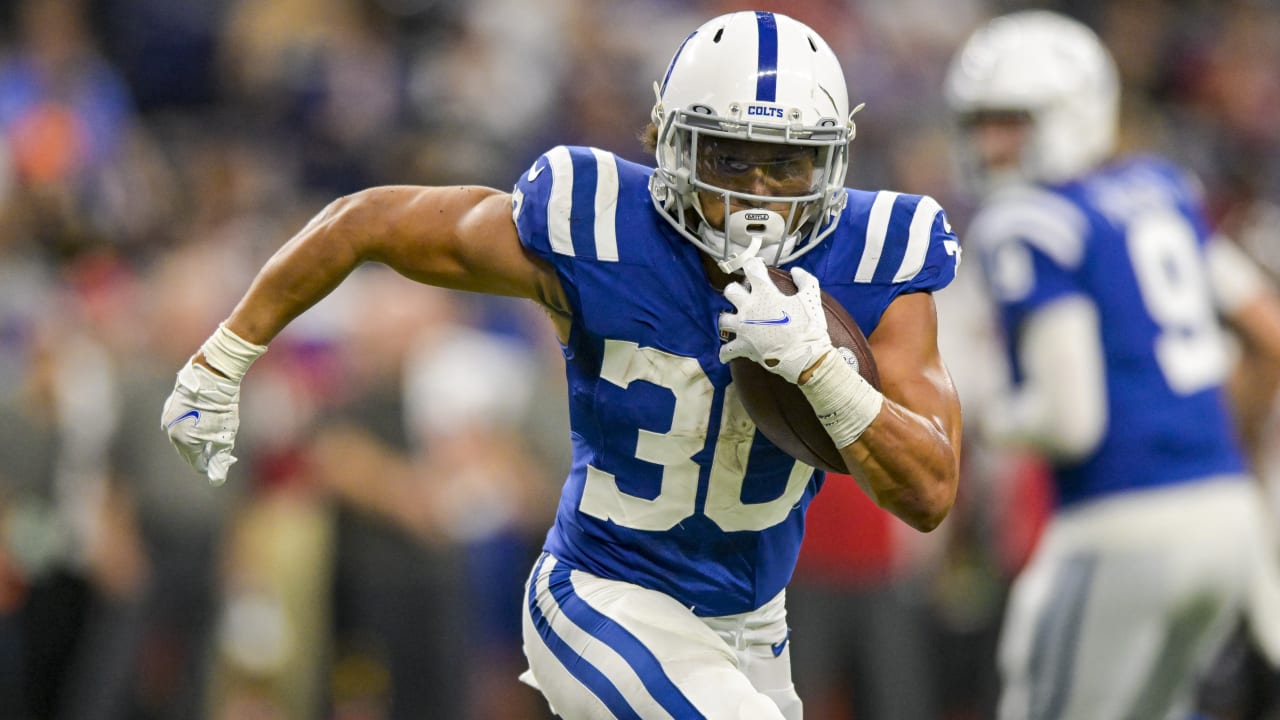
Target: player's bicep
912	373
459	237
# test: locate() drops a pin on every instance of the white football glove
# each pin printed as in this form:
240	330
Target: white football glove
201	418
784	333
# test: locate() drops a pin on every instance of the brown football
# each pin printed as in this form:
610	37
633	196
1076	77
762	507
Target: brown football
780	410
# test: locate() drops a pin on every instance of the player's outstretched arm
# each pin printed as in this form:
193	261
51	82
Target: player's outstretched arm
910	453
454	237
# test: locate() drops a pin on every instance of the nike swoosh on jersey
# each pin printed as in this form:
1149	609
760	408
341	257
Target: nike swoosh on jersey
782	320
779	647
535	171
188	414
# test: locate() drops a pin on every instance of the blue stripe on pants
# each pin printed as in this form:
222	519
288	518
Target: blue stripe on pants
613	635
586	673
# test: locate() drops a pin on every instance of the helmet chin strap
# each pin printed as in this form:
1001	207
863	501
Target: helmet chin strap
748	231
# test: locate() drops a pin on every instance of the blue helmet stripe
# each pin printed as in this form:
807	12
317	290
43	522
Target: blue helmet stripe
674	58
767	58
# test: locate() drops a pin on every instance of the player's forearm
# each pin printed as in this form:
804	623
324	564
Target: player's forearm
302	272
908	466
1257	320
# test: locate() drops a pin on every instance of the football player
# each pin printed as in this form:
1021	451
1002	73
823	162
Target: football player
661	589
1108	285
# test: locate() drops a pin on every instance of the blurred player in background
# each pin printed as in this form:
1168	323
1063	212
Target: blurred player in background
660	591
1108	283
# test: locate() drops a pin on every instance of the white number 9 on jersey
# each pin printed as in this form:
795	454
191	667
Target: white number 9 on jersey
1175	289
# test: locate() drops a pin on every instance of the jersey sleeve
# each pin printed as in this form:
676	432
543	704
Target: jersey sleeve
531	203
566	206
547	207
1032	246
941	254
900	243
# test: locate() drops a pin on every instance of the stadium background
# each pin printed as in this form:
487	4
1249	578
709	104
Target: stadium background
402	446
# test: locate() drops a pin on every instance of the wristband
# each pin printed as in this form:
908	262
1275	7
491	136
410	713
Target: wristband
230	354
843	400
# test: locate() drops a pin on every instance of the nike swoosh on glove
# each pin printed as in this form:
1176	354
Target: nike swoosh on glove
784	333
201	418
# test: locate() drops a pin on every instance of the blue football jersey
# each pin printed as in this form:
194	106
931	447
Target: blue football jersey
1131	238
671	488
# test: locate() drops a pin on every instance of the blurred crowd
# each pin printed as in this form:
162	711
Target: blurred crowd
402	447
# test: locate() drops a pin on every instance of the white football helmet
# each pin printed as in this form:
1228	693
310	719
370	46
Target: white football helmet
1054	69
759	77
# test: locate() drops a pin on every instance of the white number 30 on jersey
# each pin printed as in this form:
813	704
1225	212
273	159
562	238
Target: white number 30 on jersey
627	362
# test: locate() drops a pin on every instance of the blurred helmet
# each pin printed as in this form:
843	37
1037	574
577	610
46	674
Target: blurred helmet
769	83
1056	71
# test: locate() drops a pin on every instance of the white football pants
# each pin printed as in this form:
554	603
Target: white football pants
1127	600
606	649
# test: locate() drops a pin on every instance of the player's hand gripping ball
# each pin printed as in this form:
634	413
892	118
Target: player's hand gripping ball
776	333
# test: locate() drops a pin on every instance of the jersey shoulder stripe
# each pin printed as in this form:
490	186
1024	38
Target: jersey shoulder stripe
901	234
1044	220
918	235
877	232
567	204
606	205
560	202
